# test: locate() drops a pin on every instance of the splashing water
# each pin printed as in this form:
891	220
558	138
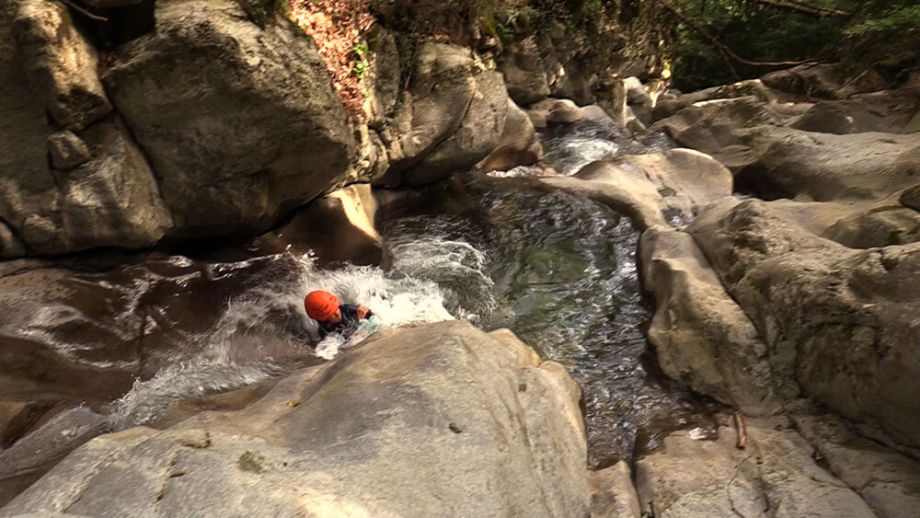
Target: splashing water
263	332
560	271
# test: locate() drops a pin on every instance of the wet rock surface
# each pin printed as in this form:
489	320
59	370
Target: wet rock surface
775	475
507	428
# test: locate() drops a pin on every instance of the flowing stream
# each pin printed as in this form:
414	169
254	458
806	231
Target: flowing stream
560	271
499	250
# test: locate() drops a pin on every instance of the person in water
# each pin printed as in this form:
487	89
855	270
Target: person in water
333	317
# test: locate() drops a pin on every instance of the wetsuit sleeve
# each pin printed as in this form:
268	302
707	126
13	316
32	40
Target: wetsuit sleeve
364	312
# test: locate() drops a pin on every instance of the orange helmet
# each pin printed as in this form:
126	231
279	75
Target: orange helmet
321	305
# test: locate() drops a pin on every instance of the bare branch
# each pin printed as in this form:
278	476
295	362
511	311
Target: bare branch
84	12
801	7
721	46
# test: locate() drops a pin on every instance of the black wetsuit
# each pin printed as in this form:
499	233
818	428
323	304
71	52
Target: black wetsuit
346	326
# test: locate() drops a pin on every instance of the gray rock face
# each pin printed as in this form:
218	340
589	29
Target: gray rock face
841	322
519	143
479	133
887	480
663	189
111	197
67	150
453	116
10	245
240	124
911	197
111	200
525	72
701	336
440	419
775	476
60	63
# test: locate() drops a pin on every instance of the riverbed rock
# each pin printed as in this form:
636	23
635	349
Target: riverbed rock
554	111
16	417
338	227
519	145
439	419
887	480
701	336
775	162
823	80
86	335
911	197
230	170
665	188
752	90
807	296
614	495
60	63
479	133
775	475
887	111
879	226
33	455
107	198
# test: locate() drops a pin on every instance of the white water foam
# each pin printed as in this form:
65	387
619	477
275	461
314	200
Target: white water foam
263	332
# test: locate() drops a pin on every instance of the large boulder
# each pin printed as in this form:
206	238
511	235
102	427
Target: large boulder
665	188
774	476
60	63
838	321
480	132
702	337
336	228
438	419
520	144
102	191
223	170
453	116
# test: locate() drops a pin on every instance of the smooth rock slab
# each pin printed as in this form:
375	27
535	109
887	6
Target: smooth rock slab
775	476
701	336
438	420
840	322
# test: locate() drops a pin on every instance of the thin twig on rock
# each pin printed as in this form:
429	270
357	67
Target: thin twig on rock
742	431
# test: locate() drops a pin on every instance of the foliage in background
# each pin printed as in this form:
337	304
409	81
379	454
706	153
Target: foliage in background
886	33
880	33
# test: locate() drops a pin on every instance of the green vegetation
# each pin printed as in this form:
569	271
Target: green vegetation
883	34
